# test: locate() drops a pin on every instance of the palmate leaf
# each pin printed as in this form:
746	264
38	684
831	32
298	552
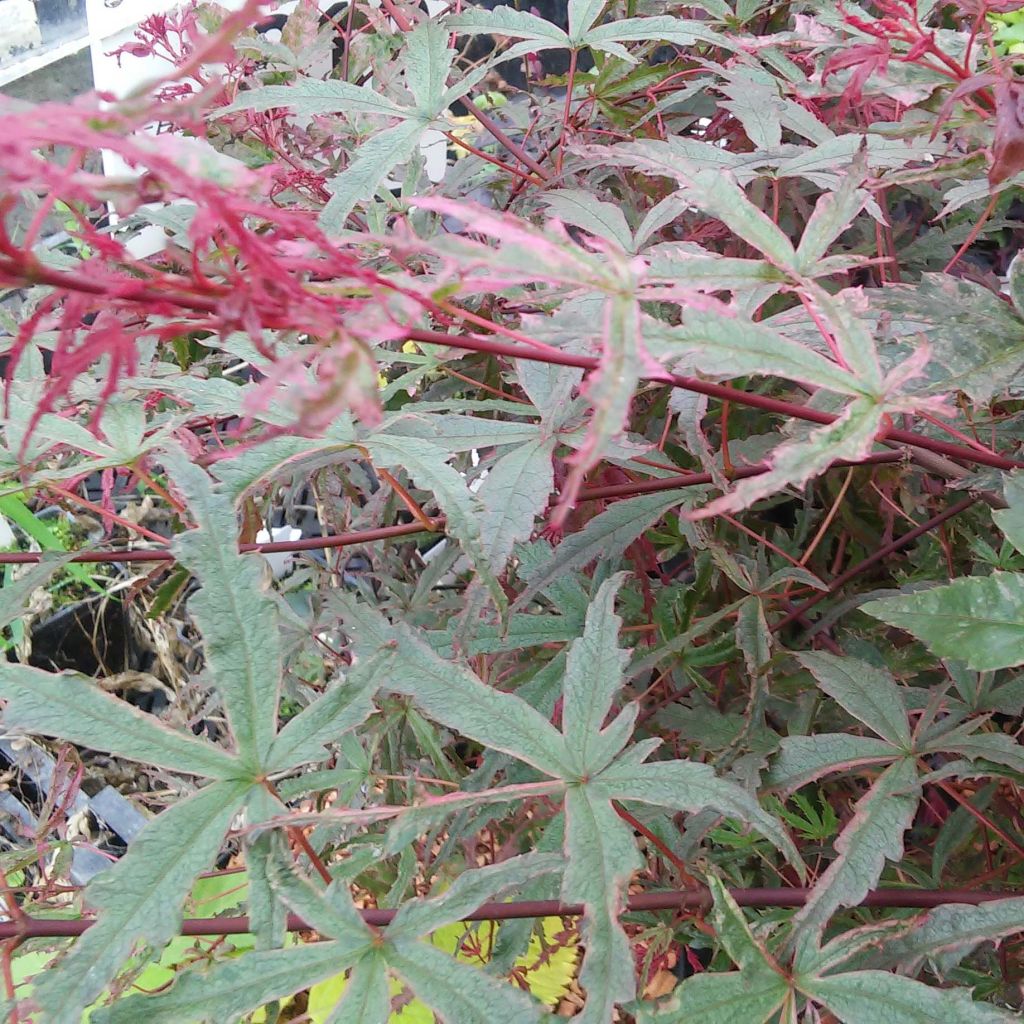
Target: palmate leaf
456	991
237	618
975	619
872	835
140	898
868	693
850	437
602	855
601	850
750	995
876	997
74	708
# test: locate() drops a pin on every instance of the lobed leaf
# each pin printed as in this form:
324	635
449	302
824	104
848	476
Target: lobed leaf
868	693
454	696
601	855
140	899
74	708
876	997
873	834
236	617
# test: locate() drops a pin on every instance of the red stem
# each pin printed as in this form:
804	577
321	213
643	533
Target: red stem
342	540
720	391
879	556
922	899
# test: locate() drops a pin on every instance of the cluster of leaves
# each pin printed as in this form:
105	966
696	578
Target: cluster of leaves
641	353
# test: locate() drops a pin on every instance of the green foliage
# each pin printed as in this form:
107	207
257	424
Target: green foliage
633	444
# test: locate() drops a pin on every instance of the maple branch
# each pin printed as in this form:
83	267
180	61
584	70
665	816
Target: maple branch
721	391
343	540
921	899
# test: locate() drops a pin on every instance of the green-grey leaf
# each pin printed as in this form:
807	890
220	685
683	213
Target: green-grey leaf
602	855
850	437
331	912
366	999
605	536
692	786
1011	520
593	676
873	834
869	694
606	220
310	96
976	619
74	708
427	63
734	932
472	888
372	162
15	594
719	195
730	998
582	15
976	339
508	21
1015	279
454	696
236	986
662	28
345	705
833	213
456	991
609	389
238	620
947	934
802	759
140	898
514	493
729	346
877	997
426	464
969	741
